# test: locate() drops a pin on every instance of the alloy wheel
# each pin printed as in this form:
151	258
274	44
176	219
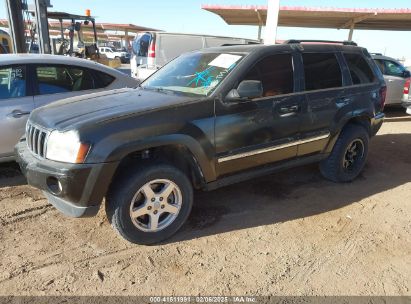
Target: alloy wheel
156	205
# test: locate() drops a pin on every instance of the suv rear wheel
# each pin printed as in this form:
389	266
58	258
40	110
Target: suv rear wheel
348	156
151	204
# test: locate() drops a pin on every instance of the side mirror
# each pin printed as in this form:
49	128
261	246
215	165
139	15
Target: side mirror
407	74
247	89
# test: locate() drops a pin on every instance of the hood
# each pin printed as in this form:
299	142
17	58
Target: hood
94	108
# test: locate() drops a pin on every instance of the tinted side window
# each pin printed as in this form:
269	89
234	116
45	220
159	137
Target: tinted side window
62	79
394	69
380	65
12	82
103	80
322	71
276	74
359	69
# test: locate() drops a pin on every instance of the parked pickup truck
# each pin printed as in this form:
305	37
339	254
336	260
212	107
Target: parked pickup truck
208	119
114	54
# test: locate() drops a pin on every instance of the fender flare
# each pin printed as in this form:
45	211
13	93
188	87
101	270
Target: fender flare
342	123
204	159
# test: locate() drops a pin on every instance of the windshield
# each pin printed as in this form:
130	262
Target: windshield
194	73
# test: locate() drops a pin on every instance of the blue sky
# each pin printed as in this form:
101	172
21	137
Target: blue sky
187	16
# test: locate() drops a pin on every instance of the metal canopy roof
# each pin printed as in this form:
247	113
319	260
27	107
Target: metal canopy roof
63	15
340	18
101	27
132	28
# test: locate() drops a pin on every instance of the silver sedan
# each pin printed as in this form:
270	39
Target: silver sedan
28	81
395	75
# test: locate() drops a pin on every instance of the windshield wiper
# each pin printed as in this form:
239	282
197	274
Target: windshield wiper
162	90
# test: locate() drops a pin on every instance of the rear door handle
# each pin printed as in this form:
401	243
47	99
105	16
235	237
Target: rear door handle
286	111
18	114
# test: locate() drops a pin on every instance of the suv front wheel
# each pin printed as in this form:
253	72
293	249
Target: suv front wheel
150	205
348	156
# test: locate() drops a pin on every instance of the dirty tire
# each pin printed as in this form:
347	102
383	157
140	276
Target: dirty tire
332	167
123	191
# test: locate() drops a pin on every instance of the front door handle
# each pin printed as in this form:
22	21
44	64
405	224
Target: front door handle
288	110
18	114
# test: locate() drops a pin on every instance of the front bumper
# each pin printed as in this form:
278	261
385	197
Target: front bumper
376	122
76	190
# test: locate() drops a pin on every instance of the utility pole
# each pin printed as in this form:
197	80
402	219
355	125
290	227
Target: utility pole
42	25
16	25
271	25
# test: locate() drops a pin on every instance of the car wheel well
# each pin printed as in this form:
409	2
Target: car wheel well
176	155
363	121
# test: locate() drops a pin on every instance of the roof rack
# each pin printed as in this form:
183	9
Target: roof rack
236	44
376	54
346	42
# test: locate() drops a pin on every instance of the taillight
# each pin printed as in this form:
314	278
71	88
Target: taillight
383	95
407	86
152	50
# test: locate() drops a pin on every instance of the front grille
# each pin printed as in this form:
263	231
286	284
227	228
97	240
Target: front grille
36	139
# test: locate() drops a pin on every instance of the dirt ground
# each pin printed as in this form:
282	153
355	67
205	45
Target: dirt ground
291	233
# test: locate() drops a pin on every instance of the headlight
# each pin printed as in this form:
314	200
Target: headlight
66	147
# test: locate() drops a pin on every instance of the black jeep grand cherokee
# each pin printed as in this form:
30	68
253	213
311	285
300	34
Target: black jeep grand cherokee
207	119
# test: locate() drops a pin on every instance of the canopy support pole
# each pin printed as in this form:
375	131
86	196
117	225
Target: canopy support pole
127	44
351	32
42	25
260	24
271	25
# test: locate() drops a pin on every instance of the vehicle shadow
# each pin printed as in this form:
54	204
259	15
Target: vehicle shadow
396	114
10	175
297	193
285	196
399	119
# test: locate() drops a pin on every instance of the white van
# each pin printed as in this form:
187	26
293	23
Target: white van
152	50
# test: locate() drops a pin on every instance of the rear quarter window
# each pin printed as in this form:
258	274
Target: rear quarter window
322	71
394	69
360	70
103	80
63	79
